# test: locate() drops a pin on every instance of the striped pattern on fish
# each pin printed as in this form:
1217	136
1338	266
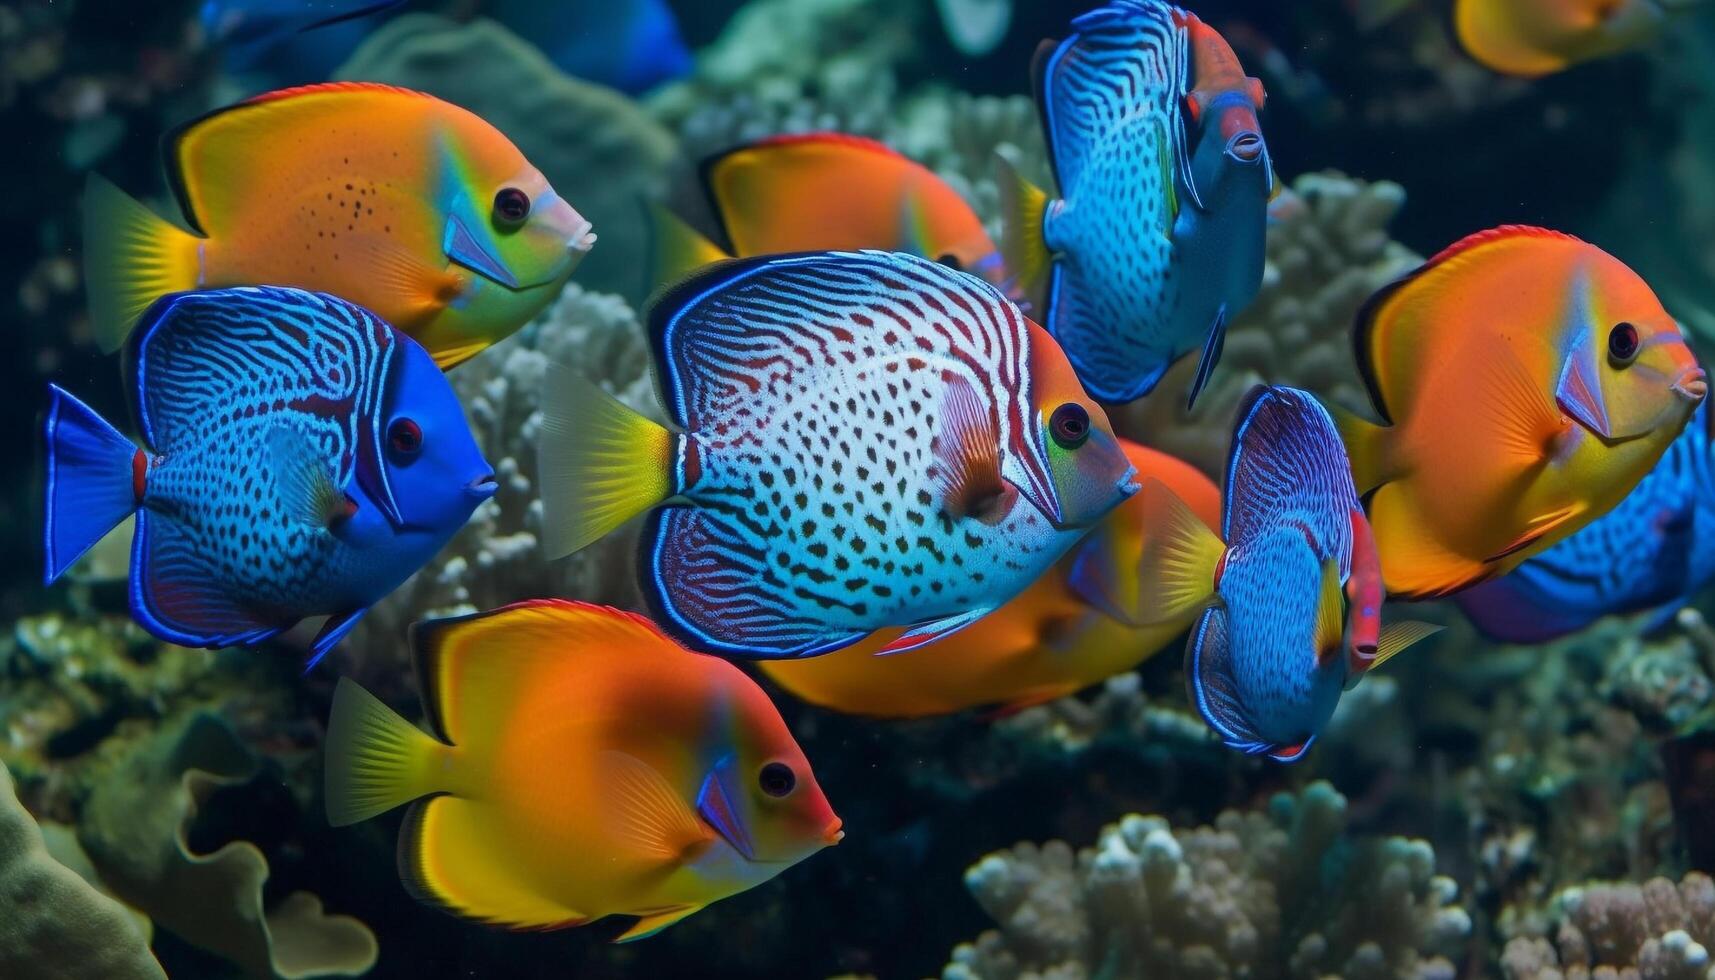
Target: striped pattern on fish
820	395
1111	102
221	394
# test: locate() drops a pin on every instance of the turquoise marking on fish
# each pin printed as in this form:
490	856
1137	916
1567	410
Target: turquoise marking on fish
1654	550
300	457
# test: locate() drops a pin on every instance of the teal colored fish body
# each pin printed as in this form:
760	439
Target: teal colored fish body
300	457
1264	671
1156	240
869	441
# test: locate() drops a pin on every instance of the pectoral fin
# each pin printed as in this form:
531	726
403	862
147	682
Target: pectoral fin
1212	345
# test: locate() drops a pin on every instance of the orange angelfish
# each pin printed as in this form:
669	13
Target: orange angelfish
828	191
1539	37
581	765
408	206
1527	380
1046	643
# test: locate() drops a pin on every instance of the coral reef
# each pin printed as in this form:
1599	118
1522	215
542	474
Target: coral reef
1328	249
135	828
495	559
599	150
1624	931
53	924
1281	894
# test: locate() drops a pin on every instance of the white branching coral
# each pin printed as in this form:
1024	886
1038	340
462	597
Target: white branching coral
496	558
1623	931
1276	895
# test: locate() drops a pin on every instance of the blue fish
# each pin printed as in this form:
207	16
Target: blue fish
1652	551
299	458
1155	242
861	440
1266	662
630	45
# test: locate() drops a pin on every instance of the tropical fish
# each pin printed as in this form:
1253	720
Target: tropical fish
976	27
406	205
827	191
1289	591
1527	380
582	764
864	439
1651	552
1046	643
1156	240
299	458
1539	37
306	39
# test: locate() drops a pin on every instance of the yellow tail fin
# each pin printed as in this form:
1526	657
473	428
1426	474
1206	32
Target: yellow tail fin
1022	206
1365	447
675	249
131	257
599	463
1180	554
375	760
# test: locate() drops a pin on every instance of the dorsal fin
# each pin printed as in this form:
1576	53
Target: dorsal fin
1496	234
322	88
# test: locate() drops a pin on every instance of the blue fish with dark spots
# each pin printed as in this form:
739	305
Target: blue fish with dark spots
300	457
1653	551
1156	240
1289	590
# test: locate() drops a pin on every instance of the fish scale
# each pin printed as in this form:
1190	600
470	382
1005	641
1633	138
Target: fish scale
840	513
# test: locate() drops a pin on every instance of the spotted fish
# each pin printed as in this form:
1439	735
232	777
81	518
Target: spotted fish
300	457
1290	588
1155	241
866	439
1651	551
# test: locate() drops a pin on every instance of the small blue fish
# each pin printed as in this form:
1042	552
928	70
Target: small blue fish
1266	663
1652	551
1156	242
300	458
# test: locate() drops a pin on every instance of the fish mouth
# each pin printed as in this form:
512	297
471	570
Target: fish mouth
1246	147
1692	386
833	835
1127	484
482	487
582	239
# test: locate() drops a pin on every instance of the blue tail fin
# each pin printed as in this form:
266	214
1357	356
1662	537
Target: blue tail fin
89	487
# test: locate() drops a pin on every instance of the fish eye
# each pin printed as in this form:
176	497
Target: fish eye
511	207
1623	344
777	779
1069	425
404	440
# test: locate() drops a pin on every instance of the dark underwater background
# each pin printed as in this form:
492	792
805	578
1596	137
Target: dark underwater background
1477	811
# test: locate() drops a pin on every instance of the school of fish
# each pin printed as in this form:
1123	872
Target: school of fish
887	474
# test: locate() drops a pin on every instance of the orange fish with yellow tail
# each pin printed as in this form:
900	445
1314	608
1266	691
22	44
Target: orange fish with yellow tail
1527	380
827	192
1046	643
408	206
581	765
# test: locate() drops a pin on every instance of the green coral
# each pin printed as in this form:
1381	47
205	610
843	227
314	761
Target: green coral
53	924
